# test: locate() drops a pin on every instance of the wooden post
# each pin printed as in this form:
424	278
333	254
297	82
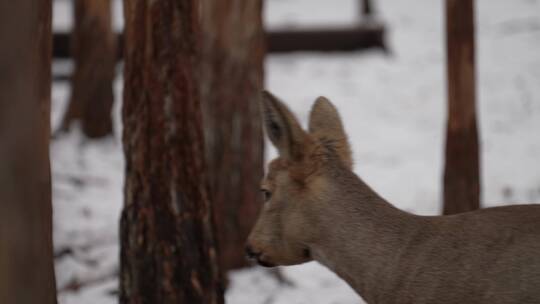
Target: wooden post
462	170
367	8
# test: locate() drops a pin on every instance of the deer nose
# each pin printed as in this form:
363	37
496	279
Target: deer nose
251	254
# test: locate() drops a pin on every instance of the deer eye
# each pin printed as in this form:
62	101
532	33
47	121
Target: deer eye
266	194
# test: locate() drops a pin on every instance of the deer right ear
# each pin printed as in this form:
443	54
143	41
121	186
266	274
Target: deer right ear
282	128
325	125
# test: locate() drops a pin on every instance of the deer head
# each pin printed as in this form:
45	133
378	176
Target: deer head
298	186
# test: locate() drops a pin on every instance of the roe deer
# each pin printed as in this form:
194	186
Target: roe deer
317	209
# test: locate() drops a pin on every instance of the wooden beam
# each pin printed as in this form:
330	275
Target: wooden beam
462	168
338	39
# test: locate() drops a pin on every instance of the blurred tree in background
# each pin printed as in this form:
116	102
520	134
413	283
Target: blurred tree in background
462	165
233	47
26	253
167	244
94	54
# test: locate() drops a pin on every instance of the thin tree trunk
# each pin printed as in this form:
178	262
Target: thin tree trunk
167	246
462	169
26	253
94	54
232	76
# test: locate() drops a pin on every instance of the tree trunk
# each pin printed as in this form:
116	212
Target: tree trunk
232	75
93	47
167	247
462	169
26	253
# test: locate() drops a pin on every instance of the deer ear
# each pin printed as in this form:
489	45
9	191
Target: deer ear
326	126
282	128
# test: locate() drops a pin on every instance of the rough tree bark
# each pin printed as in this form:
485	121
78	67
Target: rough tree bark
462	169
26	253
167	246
94	53
232	76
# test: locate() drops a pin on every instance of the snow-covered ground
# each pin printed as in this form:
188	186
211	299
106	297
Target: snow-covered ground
393	107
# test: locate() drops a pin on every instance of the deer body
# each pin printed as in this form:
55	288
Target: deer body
318	209
389	256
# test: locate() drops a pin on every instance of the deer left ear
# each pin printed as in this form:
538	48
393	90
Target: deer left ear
283	129
326	126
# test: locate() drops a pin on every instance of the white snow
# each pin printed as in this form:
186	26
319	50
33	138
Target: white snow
393	108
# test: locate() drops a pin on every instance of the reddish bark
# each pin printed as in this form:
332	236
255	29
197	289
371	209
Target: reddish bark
167	245
462	169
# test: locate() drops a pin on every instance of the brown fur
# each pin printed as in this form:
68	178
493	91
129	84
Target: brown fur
320	210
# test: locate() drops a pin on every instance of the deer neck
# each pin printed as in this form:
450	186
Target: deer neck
360	237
